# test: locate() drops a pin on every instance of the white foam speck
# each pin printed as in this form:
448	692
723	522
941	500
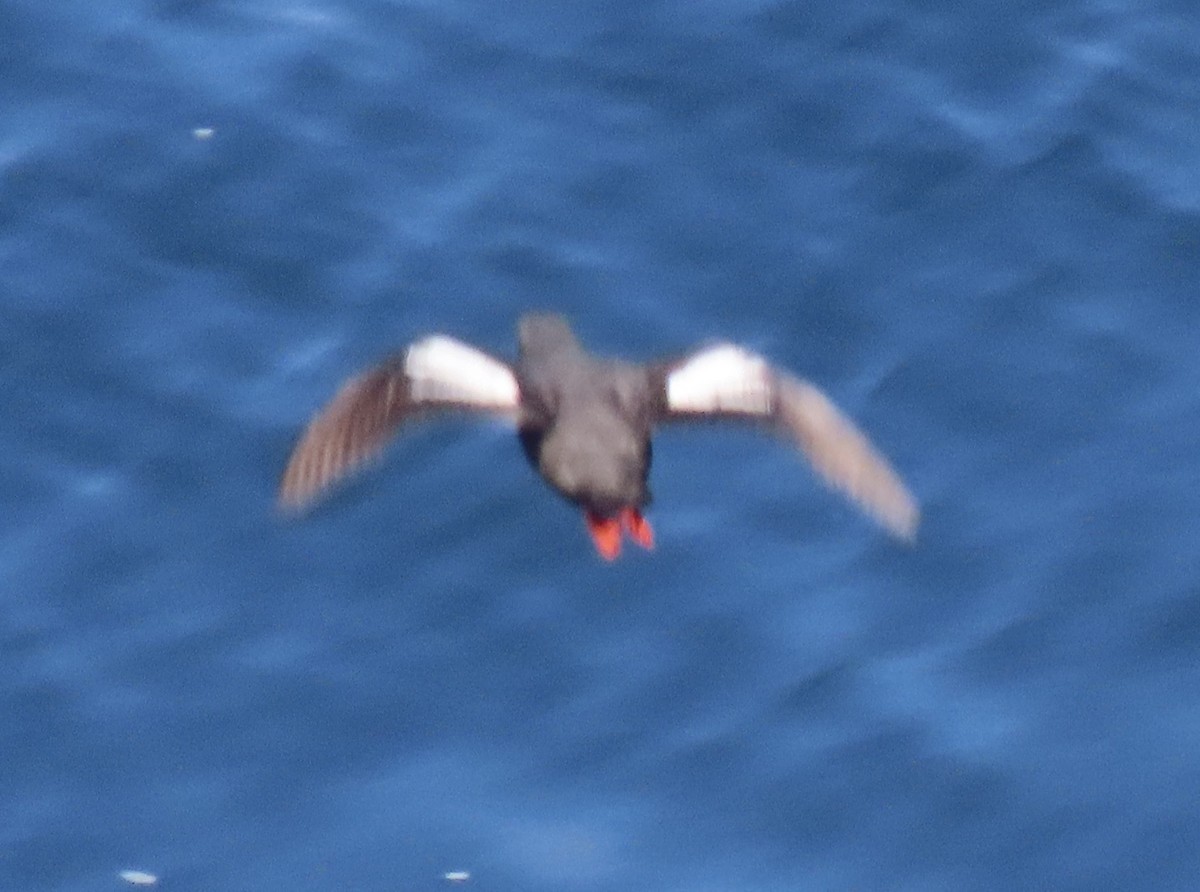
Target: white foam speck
138	877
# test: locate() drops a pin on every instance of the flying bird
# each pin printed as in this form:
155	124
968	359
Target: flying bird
585	422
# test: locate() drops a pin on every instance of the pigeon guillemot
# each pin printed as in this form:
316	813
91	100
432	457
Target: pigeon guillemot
585	421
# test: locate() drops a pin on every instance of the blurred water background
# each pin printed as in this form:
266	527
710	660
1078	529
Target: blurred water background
976	225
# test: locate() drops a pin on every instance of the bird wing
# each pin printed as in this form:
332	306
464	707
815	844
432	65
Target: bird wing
726	382
434	373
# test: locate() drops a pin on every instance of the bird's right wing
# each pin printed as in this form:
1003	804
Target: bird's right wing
727	382
435	373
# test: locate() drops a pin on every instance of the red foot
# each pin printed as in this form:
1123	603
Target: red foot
638	527
606	534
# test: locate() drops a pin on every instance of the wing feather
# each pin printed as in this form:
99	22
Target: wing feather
726	382
843	456
435	373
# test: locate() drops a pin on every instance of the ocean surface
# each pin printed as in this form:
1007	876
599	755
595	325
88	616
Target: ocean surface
975	225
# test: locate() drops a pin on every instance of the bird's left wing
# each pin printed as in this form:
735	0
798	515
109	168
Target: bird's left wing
434	373
726	382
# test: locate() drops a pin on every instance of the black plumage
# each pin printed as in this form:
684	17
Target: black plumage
585	422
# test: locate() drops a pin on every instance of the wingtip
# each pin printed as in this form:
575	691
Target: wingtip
296	491
846	459
905	526
289	507
892	507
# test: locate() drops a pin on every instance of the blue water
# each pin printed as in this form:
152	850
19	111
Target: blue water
976	225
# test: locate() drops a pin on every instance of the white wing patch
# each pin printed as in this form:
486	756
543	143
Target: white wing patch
724	378
443	370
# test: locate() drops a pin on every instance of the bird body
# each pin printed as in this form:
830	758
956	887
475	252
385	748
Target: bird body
585	422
